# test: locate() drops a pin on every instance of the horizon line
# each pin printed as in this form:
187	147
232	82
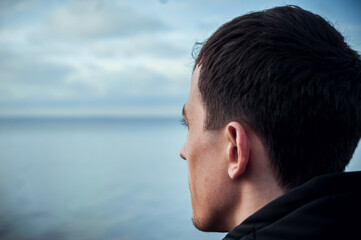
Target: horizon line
90	116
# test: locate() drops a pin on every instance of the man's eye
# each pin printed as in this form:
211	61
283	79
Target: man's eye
183	122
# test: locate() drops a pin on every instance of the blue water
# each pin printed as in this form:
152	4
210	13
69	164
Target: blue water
96	179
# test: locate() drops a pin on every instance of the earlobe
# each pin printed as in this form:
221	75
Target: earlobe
238	150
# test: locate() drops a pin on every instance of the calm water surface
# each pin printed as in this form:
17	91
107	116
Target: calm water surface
96	179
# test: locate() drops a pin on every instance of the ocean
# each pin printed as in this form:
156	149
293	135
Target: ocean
100	178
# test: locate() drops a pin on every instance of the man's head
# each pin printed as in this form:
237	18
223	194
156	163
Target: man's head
285	75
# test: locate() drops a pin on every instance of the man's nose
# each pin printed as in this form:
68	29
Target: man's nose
182	152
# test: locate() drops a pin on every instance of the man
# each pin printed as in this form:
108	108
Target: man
273	119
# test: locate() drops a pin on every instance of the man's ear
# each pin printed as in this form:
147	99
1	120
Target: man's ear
238	149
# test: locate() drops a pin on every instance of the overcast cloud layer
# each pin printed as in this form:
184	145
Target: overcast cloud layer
81	58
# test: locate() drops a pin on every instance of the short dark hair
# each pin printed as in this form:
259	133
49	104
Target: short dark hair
288	75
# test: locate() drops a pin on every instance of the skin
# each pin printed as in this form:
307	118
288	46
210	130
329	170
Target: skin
228	170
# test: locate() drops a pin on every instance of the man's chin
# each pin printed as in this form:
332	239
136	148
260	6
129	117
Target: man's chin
207	226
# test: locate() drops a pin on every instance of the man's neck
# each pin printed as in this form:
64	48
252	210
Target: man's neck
253	199
258	186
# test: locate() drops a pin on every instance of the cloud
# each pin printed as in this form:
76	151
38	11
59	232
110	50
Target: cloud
30	83
25	70
92	90
25	77
163	1
130	71
96	19
12	7
136	46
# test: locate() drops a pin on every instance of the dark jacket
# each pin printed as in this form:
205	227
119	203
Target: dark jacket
326	207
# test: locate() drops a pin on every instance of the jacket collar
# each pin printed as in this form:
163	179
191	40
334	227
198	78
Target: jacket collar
306	194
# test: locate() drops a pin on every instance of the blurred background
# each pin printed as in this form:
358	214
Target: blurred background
91	93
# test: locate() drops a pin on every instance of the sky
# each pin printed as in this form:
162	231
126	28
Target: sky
119	58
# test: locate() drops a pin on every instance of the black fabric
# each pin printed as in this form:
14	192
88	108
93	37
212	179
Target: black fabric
326	207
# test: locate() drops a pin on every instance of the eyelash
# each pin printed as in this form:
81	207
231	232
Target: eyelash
183	122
